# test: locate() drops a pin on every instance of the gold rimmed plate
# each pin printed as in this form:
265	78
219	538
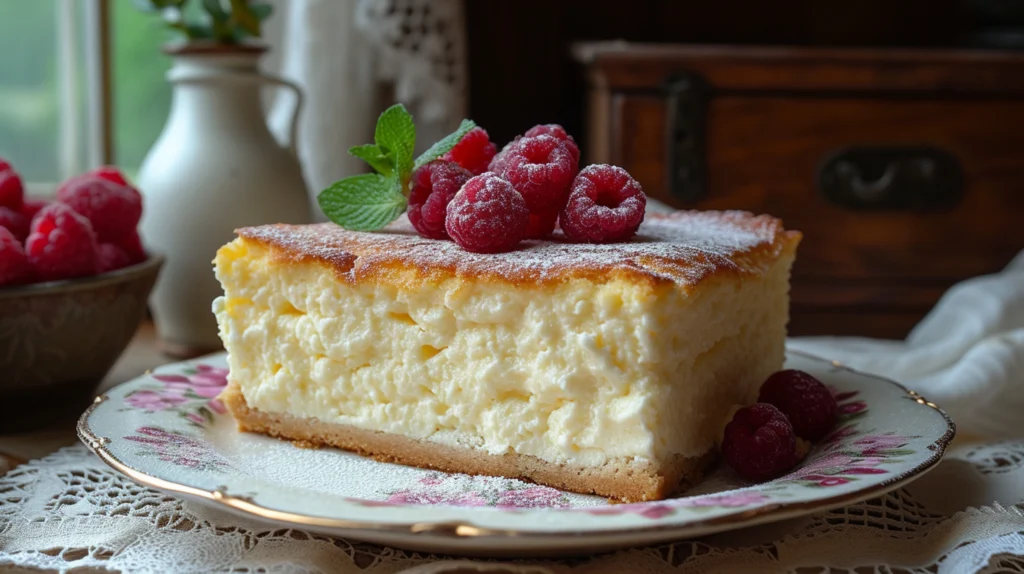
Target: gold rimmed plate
168	431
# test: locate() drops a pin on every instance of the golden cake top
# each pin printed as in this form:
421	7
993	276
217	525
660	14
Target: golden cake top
683	247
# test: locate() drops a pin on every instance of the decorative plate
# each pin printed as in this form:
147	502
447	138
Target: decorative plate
168	431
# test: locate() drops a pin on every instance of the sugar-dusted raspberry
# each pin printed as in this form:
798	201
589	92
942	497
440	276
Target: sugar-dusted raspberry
541	168
12	192
487	215
62	244
558	132
113	209
109	173
14	267
605	205
31	207
131	244
810	407
15	222
500	160
111	257
473	152
759	443
433	186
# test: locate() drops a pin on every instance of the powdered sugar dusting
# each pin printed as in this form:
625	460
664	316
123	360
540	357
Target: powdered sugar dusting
683	247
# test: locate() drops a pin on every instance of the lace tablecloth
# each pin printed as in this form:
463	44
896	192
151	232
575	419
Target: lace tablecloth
69	511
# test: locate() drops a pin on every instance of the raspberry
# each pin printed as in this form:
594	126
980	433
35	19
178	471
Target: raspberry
500	160
113	209
109	173
810	407
15	222
759	443
31	207
12	192
487	215
558	132
62	244
132	246
111	257
14	267
541	168
473	152
433	186
605	205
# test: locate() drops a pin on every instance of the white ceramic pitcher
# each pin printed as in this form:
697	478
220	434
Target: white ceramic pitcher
216	167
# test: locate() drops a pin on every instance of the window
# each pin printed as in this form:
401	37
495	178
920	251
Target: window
81	84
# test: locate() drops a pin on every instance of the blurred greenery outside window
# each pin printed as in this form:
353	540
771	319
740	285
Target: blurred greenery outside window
49	82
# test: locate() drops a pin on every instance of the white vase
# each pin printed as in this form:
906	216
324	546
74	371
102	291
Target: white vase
216	167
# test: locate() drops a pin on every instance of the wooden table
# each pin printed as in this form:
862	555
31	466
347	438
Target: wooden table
141	355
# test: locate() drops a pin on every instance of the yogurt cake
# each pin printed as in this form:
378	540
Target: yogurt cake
603	369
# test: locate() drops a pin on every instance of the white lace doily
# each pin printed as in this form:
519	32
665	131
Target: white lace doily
70	511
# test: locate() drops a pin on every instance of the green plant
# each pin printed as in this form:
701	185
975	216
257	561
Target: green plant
222	21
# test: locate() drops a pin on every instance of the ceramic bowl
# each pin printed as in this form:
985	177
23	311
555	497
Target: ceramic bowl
58	340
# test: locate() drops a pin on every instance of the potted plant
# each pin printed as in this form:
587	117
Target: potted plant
216	166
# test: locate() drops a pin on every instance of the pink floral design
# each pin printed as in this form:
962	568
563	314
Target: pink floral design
852	408
728	500
179	449
155	400
667	507
874	444
532	497
191	393
457	499
839	435
834	481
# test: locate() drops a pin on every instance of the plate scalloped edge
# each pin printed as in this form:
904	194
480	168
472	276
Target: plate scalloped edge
466	529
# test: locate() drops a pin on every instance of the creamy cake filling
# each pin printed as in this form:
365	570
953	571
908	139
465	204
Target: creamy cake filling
579	372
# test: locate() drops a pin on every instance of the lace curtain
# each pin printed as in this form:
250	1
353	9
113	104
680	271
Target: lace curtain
354	58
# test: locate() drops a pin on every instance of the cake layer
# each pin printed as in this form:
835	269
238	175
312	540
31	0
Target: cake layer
626	480
580	356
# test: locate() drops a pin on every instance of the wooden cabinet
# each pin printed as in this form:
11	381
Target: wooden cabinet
904	169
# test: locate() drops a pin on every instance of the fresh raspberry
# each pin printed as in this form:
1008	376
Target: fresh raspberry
131	244
759	443
113	209
487	215
15	222
110	173
111	257
4	164
433	186
541	168
605	205
500	161
62	244
810	407
473	152
31	207
12	192
14	267
558	132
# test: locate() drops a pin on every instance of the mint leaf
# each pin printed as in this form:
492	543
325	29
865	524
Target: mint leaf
396	137
445	144
363	202
373	155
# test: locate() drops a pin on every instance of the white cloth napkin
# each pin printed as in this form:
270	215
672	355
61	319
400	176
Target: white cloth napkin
967	355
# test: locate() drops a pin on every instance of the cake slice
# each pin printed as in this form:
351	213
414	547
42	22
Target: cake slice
603	369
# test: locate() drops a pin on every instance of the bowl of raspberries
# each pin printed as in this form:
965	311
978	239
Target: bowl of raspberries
74	281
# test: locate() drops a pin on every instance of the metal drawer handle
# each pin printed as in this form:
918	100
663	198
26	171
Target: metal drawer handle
921	178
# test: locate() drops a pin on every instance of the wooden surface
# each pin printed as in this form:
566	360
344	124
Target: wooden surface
140	356
774	115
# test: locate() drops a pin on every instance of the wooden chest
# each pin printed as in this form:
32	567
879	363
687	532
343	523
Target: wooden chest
904	169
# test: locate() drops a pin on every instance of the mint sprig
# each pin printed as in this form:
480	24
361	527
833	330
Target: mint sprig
370	201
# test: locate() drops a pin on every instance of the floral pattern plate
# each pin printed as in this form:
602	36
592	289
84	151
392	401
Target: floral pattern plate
167	430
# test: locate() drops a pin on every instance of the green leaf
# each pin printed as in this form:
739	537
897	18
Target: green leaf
363	202
243	15
154	5
373	155
215	10
262	11
396	137
445	144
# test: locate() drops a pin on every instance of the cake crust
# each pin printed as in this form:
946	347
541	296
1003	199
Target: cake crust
621	480
681	248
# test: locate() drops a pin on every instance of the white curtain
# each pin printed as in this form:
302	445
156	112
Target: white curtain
354	58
